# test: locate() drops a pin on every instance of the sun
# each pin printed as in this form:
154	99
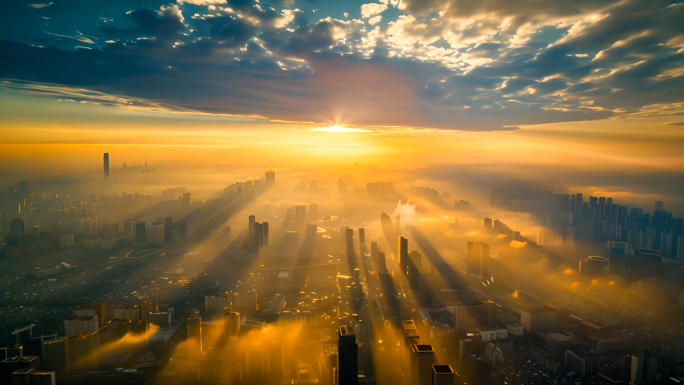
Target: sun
338	129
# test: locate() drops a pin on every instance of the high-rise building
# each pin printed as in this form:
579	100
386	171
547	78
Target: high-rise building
231	321
579	361
644	369
252	221
168	229
33	376
194	334
300	215
270	179
538	319
442	375
81	350
659	206
12	364
155	233
472	314
17	228
313	213
216	305
348	352
185	201
381	262
106	165
351	253
476	256
161	319
422	359
403	255
362	240
76	324
465	349
53	354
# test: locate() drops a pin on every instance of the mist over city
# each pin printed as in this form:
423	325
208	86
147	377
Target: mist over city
405	192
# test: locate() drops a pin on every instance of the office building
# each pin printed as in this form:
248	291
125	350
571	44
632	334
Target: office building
81	350
472	314
443	375
168	229
313	213
214	305
161	319
76	324
126	312
33	376
194	335
422	359
403	255
579	361
106	165
53	354
644	369
659	206
231	321
17	232
347	351
538	319
148	307
12	364
476	257
155	233
252	221
381	262
269	180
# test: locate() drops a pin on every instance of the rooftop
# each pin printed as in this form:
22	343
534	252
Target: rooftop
423	348
442	369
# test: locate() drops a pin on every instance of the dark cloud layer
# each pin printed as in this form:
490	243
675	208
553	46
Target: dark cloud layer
449	64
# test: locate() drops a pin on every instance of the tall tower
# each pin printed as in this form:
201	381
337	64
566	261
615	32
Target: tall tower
422	359
106	165
252	221
477	255
348	356
403	255
231	322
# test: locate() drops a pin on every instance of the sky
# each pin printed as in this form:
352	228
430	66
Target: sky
577	85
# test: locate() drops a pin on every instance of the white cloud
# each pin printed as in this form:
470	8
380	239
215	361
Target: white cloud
43	5
374	20
370	9
82	39
201	2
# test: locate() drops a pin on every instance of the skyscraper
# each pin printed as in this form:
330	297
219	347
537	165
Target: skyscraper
476	256
252	220
231	322
422	359
106	165
403	255
348	351
168	229
270	179
442	375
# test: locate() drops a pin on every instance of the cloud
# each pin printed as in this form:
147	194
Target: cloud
201	2
371	9
486	65
41	5
82	39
